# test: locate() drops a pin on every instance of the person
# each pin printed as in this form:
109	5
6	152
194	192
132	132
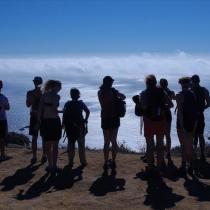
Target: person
203	102
153	100
75	126
186	123
49	122
168	116
4	106
32	101
110	120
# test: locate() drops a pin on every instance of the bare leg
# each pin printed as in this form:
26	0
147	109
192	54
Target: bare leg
71	152
2	146
34	145
55	153
81	147
49	153
202	146
160	150
107	140
114	143
150	151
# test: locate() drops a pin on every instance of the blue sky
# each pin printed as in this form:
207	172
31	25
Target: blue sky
59	27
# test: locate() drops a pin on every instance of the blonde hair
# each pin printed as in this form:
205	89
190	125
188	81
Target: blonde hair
50	84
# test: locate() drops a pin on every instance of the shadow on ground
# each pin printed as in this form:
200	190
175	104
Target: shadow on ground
107	183
48	183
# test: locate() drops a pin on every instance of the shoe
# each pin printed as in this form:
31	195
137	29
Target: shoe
43	159
3	158
84	164
48	169
33	160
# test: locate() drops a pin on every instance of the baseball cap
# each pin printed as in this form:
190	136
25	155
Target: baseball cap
108	79
38	80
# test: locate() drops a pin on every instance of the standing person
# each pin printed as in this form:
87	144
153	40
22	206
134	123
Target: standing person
153	100
203	102
76	126
50	122
32	100
110	121
187	114
4	106
168	115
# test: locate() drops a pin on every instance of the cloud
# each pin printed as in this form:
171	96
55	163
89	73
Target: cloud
130	66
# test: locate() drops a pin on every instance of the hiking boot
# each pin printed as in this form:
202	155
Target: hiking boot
33	160
43	159
182	171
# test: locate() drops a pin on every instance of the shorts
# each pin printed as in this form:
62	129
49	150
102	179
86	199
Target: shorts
200	126
33	122
110	123
152	127
3	129
51	129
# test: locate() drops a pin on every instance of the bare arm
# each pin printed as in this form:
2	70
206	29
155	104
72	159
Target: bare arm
207	98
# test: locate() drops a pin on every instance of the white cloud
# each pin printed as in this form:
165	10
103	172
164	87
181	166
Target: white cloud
131	66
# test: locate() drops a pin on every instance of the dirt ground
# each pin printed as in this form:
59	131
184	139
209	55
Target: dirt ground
25	186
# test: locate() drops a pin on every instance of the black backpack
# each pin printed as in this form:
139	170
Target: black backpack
189	110
200	97
120	105
155	107
138	108
72	114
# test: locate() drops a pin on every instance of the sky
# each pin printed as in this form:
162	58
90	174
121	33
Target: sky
93	27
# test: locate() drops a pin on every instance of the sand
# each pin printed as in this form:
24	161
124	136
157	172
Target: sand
23	186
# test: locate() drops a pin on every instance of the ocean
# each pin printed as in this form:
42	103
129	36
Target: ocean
86	73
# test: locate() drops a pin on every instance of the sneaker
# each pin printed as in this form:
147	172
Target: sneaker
33	160
43	159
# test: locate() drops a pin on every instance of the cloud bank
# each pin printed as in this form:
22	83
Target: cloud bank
130	66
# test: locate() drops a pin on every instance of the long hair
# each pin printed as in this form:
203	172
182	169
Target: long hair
50	85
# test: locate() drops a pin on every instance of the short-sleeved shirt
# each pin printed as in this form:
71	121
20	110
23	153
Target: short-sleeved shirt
107	102
34	96
3	102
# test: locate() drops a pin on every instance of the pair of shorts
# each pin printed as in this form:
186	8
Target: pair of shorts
110	123
51	129
3	129
200	126
152	127
33	123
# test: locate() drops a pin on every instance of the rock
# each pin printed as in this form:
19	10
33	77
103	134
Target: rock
17	139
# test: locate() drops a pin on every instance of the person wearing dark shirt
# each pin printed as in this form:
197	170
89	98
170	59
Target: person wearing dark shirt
203	102
32	101
76	126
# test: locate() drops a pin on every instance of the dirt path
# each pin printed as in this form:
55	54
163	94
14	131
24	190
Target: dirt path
29	187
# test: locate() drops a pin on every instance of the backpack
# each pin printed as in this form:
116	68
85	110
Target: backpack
120	106
189	110
138	108
154	103
200	97
72	114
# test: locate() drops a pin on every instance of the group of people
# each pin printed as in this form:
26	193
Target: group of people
153	105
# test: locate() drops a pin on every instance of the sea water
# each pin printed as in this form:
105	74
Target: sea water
86	74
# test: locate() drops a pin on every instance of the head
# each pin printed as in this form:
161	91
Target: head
185	82
1	85
163	83
37	81
75	94
52	85
195	79
151	81
107	82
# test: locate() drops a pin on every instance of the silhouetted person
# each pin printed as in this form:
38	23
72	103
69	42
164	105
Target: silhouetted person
110	120
186	122
4	106
50	122
32	100
153	100
76	126
168	115
203	102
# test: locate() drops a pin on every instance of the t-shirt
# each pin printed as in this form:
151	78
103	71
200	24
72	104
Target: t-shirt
3	102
